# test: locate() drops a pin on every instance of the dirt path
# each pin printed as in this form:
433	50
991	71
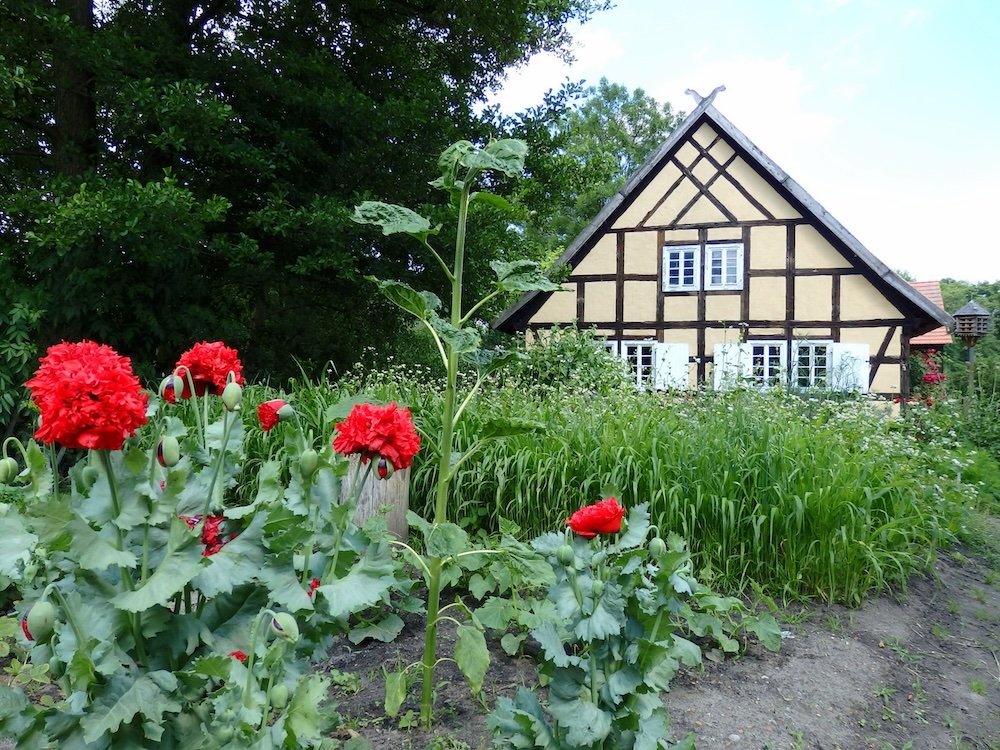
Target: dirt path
920	668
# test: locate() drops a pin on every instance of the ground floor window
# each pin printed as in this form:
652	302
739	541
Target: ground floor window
653	364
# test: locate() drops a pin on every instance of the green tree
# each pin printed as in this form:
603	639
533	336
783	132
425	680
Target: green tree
175	170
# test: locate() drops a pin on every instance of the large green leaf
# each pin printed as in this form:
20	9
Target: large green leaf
181	564
522	276
15	551
39	474
448	163
302	719
608	617
365	584
393	219
522	723
98	550
496	613
471	655
384	630
419	304
495	428
552	645
149	695
461	340
487	361
636	529
238	562
505	155
396	685
585	723
766	628
446	540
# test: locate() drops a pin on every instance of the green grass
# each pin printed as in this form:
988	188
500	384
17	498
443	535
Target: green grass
807	498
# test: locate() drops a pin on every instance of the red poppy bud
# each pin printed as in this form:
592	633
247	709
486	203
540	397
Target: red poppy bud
168	452
40	621
384	468
232	394
271	412
238	655
171	388
8	469
24	628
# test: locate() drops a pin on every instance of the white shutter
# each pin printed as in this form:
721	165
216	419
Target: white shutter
670	366
731	363
849	367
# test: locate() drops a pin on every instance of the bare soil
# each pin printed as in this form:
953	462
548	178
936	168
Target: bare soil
917	670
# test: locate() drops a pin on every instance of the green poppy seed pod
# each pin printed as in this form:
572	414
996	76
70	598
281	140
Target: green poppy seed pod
8	470
284	626
168	452
232	394
278	696
565	555
308	462
597	589
657	547
41	621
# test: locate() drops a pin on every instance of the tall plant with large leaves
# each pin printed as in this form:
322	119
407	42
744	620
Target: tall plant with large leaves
458	341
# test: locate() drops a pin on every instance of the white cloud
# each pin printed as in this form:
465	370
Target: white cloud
593	49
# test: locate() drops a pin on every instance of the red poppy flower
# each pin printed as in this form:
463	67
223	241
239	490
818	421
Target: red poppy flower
271	412
209	364
87	396
604	517
238	655
24	628
211	533
313	585
385	431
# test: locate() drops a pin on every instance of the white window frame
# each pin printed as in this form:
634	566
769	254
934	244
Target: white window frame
773	366
730	256
813	379
668	363
694	251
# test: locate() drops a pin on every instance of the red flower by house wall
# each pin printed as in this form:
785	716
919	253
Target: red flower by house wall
87	396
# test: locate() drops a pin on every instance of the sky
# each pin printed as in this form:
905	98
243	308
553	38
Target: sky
886	112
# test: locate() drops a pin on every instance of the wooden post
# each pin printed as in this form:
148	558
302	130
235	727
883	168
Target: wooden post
387	497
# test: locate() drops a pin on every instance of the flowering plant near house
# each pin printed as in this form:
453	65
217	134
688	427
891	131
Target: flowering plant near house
166	617
615	643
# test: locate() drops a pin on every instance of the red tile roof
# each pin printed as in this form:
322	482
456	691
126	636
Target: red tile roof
939	336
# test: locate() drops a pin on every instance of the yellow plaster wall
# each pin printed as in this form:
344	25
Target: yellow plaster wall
859	300
767	298
734	200
602	258
645	200
599	300
886	379
722	307
716	336
680	308
725	233
705	135
702	212
672	206
721	152
874	338
767	247
813	251
778	333
813	297
687	154
640	333
704	170
680	235
811	334
687	336
560	307
641	252
640	301
758	187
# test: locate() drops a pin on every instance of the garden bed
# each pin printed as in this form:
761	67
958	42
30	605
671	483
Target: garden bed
913	668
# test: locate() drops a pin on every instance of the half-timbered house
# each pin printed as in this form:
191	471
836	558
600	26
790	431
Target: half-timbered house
712	265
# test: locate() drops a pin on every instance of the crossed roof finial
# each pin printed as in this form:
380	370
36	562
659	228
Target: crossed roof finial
699	98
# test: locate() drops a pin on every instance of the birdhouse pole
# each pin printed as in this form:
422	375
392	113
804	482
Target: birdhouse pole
972	322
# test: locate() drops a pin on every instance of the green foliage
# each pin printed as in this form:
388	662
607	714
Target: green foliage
806	497
569	359
614	643
18	352
184	171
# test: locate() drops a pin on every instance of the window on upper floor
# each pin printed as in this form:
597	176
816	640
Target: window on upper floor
723	267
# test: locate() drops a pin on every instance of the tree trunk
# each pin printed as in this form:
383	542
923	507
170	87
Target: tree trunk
75	109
